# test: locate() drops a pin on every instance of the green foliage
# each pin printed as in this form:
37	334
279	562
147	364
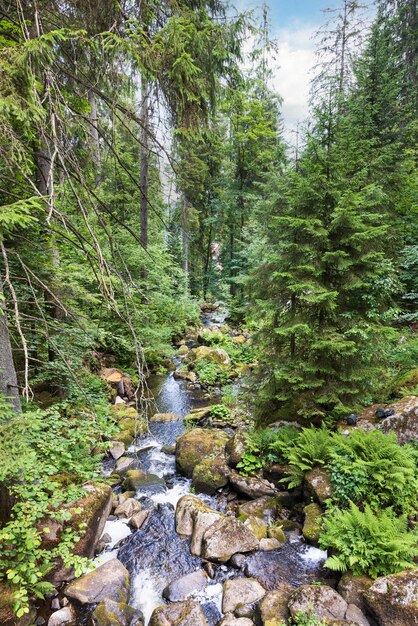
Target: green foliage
368	542
266	445
370	467
46	459
211	374
220	411
312	448
238	353
305	619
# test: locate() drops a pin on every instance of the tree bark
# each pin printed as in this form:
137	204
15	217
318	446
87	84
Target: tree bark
94	134
8	378
185	233
144	160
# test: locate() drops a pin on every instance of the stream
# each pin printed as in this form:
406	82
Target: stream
155	555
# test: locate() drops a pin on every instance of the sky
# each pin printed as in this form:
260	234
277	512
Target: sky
293	24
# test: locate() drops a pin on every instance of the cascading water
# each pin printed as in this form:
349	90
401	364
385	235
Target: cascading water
155	555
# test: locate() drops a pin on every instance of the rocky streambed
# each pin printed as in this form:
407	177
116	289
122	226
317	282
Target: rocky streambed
191	542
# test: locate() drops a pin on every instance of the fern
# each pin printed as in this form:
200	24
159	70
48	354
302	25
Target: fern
366	542
312	448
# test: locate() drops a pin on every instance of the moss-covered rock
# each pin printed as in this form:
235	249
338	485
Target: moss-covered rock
318	484
215	355
183	350
276	532
109	581
121	411
312	525
265	507
393	600
197	444
273	609
210	475
110	613
236	448
165	417
353	588
137	479
257	525
406	384
187	613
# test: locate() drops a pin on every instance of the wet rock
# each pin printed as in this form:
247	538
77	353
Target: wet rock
128	508
318	484
216	355
55	604
193	518
137	479
108	581
311	526
210	475
235	449
404	421
393	600
251	486
356	615
269	544
237	561
273	610
184	586
231	620
244	610
63	616
226	537
193	446
186	613
266	508
137	520
123	464
209	569
185	375
117	449
276	532
183	350
165	417
168	450
352	589
257	525
124	496
241	591
321	600
110	613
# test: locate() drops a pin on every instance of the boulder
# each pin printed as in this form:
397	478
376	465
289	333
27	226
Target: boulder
268	544
321	600
251	486
66	615
235	448
393	600
128	508
266	508
257	525
184	586
193	518
187	613
185	375
276	532
137	520
356	615
183	350
231	620
273	609
215	355
137	479
404	422
123	464
193	446
241	591
352	589
311	526
165	417
117	449
111	613
109	581
318	484
210	475
226	537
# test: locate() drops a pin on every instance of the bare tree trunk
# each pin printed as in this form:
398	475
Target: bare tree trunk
8	378
185	233
144	159
94	134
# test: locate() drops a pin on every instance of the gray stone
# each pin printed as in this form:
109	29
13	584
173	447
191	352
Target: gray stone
318	484
269	544
231	620
128	508
184	586
108	581
321	600
393	600
356	615
226	537
137	520
273	609
241	591
63	616
187	613
110	613
251	486
117	449
123	464
404	423
193	518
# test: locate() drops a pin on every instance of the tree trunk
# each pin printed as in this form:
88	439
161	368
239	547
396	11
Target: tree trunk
8	378
185	232
94	134
144	160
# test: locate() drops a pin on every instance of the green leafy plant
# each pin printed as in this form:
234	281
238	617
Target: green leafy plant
312	447
220	411
211	374
368	542
305	619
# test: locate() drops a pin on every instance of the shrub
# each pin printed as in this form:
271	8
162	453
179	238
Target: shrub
312	447
371	467
220	411
211	374
366	542
265	445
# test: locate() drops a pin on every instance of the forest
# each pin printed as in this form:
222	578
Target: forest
208	324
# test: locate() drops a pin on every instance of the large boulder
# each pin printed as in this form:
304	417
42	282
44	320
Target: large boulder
193	518
210	475
404	422
226	537
216	355
187	613
273	609
353	588
311	526
318	484
393	600
235	448
251	486
193	446
241	591
110	581
321	600
182	587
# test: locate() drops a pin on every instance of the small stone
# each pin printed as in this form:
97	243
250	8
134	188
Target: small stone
137	520
64	601
356	615
165	417
184	586
241	591
237	560
209	569
276	532
269	544
55	604
123	464
128	508
106	538
40	621
63	616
